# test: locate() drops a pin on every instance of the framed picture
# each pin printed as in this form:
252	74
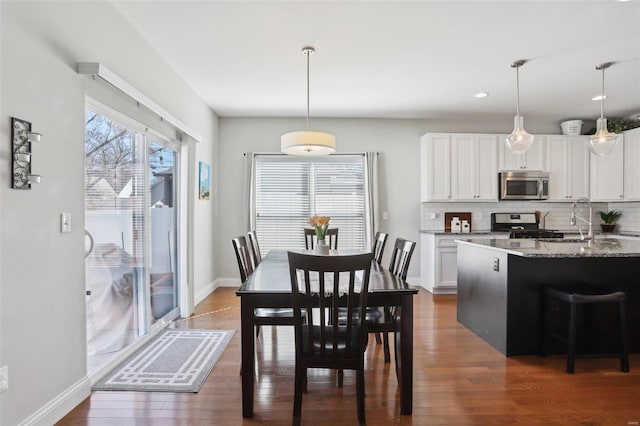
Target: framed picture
204	181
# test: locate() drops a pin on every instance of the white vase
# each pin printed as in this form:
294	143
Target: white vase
322	247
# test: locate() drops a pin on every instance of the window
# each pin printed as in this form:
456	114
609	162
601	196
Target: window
289	190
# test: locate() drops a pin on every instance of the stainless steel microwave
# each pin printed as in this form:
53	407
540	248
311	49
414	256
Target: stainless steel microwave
524	185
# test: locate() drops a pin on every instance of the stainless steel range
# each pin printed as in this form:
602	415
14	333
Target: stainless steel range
521	225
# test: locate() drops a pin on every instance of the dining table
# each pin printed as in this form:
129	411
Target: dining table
269	286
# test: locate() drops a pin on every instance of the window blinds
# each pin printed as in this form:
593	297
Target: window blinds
289	190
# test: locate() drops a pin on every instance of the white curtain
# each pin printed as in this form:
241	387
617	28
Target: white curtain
371	188
249	196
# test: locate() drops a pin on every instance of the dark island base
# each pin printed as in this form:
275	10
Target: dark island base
504	307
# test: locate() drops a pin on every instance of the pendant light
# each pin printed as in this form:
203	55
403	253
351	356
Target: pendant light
519	140
602	142
307	142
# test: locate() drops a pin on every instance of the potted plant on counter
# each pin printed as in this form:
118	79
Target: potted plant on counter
609	218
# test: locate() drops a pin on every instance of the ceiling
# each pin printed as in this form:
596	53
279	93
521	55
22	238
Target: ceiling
399	59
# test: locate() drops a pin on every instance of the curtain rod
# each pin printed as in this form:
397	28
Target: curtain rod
96	69
302	156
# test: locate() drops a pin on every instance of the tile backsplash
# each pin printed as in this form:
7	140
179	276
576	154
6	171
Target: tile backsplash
557	214
630	219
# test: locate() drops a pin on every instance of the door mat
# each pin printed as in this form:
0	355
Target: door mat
174	361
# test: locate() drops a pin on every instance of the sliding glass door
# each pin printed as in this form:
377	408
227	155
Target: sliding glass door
162	186
130	220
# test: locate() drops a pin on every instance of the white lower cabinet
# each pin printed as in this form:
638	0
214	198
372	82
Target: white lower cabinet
438	260
447	267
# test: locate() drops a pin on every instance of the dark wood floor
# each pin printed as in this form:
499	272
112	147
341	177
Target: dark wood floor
458	380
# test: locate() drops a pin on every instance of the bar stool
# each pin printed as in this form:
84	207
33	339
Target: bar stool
587	296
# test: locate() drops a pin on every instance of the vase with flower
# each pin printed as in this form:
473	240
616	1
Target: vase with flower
321	225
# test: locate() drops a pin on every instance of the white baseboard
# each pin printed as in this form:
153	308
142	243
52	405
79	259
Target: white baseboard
446	290
414	281
204	292
228	282
58	407
211	287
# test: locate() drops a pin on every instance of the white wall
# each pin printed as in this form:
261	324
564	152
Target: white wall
42	302
396	140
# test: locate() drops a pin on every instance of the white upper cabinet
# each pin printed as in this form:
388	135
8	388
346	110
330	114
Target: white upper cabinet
459	167
532	159
485	170
568	166
607	177
435	167
632	164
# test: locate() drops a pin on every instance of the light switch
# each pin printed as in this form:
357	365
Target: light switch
385	215
65	222
4	378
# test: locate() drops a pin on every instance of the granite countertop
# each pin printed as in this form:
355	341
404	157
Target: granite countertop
567	234
426	231
600	247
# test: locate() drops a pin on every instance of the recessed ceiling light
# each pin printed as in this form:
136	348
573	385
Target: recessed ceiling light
623	1
599	97
481	95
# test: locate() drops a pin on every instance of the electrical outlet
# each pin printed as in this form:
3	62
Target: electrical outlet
496	264
4	378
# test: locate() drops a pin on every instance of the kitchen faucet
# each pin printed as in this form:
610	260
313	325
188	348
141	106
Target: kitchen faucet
573	218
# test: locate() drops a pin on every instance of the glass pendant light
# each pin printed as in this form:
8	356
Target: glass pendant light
519	140
307	142
602	142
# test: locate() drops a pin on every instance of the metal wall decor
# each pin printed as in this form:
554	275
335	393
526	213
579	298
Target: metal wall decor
21	138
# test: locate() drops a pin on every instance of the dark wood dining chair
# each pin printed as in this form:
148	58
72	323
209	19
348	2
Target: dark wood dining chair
243	256
310	239
254	248
380	320
401	257
373	312
378	246
319	286
262	316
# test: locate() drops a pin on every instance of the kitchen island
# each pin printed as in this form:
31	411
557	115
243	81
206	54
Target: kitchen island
501	282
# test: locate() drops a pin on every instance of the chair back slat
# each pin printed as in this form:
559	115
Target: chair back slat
256	257
243	257
329	283
378	246
310	239
401	257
